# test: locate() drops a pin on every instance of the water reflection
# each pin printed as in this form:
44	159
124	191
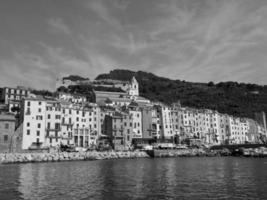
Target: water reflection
170	178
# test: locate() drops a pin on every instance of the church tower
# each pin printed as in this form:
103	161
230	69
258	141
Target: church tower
134	87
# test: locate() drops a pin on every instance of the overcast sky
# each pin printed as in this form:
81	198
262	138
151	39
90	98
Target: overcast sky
193	40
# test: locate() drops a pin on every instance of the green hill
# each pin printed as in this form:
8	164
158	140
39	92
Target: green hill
233	98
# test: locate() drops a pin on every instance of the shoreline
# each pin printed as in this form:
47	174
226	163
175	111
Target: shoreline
7	158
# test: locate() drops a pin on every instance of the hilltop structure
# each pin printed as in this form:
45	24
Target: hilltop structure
71	80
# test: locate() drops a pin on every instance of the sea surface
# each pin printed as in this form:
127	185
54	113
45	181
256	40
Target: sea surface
161	178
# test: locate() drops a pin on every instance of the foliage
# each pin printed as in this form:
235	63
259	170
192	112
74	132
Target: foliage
43	93
233	98
75	78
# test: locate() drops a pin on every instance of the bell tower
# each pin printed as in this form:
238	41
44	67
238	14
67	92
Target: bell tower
134	87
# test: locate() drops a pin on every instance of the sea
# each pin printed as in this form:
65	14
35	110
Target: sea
144	178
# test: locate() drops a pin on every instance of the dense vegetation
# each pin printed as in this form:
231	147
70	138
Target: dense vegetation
87	90
75	78
233	98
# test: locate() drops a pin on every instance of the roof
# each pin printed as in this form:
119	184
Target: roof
114	93
7	117
41	98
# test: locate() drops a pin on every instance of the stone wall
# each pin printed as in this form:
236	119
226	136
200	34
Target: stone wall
64	156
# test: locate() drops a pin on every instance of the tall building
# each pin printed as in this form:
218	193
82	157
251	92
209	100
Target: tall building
261	119
119	129
49	122
7	130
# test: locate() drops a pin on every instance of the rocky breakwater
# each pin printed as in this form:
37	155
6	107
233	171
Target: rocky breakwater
64	156
187	152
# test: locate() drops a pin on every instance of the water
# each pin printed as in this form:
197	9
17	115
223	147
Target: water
165	178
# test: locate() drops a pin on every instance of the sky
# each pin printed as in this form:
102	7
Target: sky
192	40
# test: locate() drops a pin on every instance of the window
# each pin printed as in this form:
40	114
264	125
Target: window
39	110
28	132
29	103
38	133
39	117
70	111
77	112
48	116
39	125
57	126
40	103
37	140
5	138
28	124
48	125
6	126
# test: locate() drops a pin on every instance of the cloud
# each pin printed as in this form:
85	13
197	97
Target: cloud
199	40
102	11
58	25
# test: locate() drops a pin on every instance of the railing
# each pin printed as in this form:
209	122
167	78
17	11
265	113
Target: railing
67	124
53	129
53	136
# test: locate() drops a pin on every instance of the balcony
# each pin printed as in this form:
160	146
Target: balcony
53	135
67	124
53	129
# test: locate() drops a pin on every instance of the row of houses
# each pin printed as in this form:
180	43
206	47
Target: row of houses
120	119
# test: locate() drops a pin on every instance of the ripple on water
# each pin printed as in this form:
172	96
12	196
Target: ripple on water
170	178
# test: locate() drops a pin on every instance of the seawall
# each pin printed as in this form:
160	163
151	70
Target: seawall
65	156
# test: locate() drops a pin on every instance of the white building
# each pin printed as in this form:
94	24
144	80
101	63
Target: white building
49	123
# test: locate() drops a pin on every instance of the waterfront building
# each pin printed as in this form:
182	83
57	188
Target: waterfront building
149	122
165	130
33	113
176	119
136	116
260	117
239	128
224	131
119	129
7	130
50	122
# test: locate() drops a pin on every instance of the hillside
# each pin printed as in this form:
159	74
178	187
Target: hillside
233	98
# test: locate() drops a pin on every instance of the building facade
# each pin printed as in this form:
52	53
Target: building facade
7	130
